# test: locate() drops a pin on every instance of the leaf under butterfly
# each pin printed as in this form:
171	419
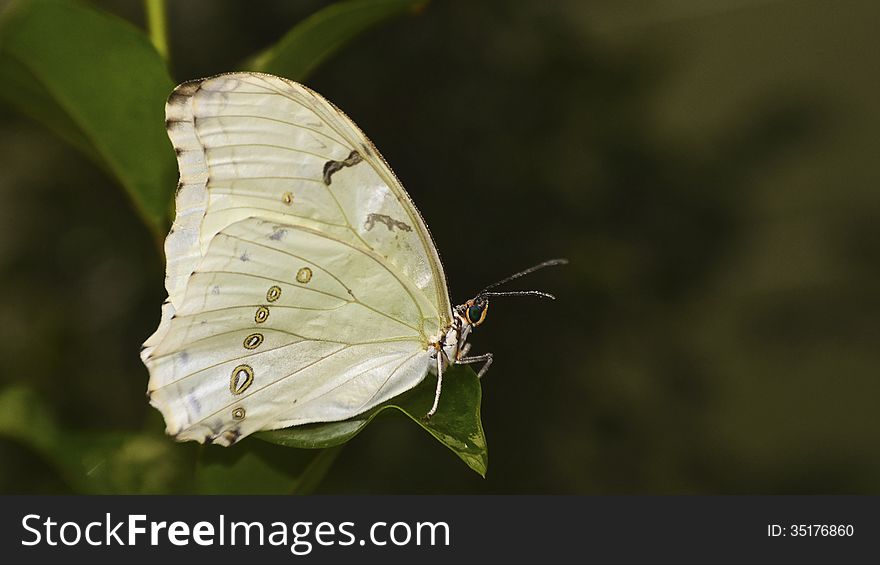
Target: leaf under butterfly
457	423
123	462
257	467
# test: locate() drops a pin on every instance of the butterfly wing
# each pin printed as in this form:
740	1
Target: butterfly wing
256	144
303	283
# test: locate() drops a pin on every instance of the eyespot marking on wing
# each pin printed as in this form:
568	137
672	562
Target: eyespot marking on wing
262	314
287	198
331	167
253	341
274	293
238	413
242	378
304	275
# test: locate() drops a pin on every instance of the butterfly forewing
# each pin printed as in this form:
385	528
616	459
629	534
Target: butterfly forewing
257	145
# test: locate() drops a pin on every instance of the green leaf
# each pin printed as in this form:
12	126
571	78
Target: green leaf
325	32
136	463
124	463
25	418
456	424
97	462
261	468
98	82
23	92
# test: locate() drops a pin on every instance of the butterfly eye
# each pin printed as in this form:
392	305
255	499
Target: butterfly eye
477	313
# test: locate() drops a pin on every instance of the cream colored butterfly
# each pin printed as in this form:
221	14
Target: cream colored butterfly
303	284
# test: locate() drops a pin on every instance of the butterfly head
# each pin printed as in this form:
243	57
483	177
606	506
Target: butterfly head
473	312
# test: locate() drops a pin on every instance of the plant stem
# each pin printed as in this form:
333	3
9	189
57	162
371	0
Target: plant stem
157	25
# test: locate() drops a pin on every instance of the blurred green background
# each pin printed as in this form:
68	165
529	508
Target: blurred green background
709	167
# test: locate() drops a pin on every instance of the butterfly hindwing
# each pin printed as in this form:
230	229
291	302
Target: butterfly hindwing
268	338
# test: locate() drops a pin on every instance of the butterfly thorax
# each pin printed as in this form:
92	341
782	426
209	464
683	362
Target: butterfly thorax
452	341
447	346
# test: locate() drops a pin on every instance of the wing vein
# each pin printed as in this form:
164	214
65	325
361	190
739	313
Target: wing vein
337	279
270	279
271	145
345	382
281	379
284	378
279	330
278	212
278	120
248	356
329	124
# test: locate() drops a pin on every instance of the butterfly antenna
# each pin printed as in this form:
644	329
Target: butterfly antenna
521	293
531	269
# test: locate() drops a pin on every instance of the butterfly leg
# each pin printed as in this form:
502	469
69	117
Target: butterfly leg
439	385
487	357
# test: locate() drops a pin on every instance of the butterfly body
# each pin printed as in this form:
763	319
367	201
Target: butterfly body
303	284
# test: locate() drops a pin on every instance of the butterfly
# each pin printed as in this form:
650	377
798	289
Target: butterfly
303	284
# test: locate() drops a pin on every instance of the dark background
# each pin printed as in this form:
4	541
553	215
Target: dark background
709	168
